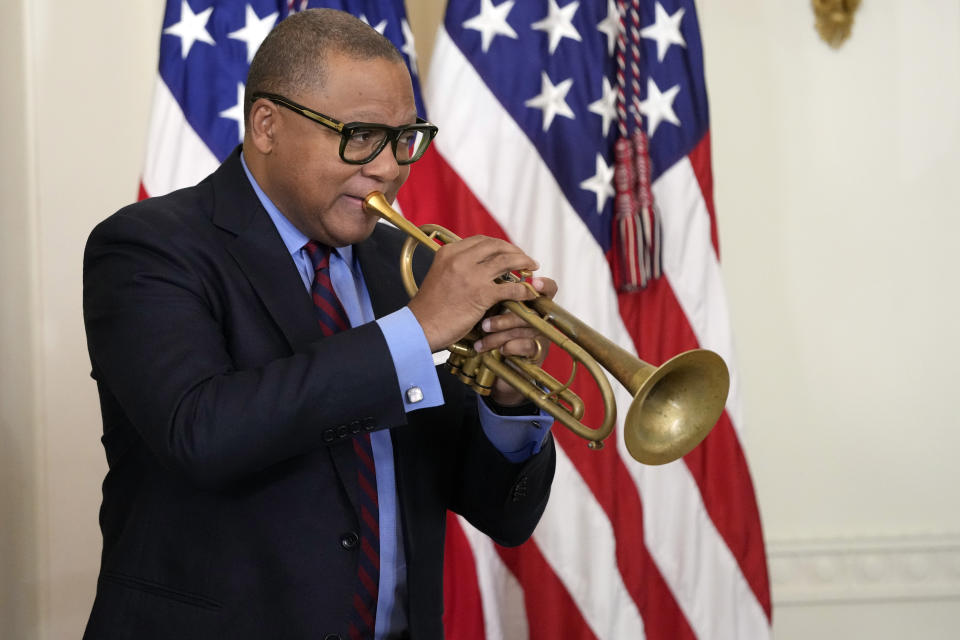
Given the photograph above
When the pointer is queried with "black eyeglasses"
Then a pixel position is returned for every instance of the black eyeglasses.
(361, 142)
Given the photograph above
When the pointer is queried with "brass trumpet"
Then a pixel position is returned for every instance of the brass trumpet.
(674, 405)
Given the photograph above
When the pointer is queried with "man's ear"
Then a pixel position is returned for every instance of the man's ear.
(262, 125)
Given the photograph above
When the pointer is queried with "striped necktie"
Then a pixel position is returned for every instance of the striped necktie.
(333, 318)
(330, 312)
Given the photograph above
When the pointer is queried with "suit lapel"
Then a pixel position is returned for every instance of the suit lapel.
(261, 254)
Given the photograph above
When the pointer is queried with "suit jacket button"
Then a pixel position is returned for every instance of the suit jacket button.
(349, 540)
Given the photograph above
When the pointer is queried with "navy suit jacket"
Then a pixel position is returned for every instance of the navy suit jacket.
(228, 508)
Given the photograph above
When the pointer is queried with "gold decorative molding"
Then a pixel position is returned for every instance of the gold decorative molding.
(834, 19)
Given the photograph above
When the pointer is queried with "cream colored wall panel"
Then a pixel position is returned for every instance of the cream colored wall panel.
(93, 68)
(837, 231)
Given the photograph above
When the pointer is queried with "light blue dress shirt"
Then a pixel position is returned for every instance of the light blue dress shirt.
(517, 437)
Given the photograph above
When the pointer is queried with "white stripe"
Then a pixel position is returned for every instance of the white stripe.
(691, 266)
(176, 156)
(504, 612)
(519, 191)
(582, 552)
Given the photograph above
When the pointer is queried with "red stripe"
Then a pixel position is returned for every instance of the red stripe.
(462, 603)
(720, 469)
(370, 521)
(370, 553)
(367, 581)
(323, 279)
(363, 451)
(616, 493)
(660, 330)
(363, 610)
(551, 612)
(331, 311)
(367, 488)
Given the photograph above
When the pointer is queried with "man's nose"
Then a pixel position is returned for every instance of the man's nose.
(384, 165)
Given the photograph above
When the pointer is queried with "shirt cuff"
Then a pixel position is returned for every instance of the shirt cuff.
(412, 360)
(516, 437)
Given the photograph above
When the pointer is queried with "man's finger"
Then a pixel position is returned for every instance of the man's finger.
(499, 339)
(530, 348)
(502, 322)
(544, 286)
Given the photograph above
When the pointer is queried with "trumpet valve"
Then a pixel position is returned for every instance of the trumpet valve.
(483, 377)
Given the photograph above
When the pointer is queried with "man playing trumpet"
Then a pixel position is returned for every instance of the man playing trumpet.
(282, 451)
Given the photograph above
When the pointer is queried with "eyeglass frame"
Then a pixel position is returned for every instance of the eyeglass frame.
(346, 129)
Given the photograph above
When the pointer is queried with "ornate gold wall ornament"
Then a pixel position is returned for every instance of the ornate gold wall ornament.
(834, 19)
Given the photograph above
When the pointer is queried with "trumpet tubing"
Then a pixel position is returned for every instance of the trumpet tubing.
(674, 405)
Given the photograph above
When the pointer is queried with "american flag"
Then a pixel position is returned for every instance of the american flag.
(531, 99)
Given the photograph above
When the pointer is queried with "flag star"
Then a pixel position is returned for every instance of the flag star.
(254, 32)
(552, 99)
(381, 26)
(192, 27)
(491, 22)
(601, 183)
(658, 106)
(408, 46)
(559, 23)
(610, 26)
(236, 111)
(665, 30)
(606, 106)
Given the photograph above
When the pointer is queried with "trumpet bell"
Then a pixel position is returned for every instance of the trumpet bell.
(676, 406)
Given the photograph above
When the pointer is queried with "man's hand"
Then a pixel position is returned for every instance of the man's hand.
(514, 337)
(459, 287)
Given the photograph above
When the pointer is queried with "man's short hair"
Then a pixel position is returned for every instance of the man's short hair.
(293, 55)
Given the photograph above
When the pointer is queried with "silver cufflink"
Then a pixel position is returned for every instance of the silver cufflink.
(414, 395)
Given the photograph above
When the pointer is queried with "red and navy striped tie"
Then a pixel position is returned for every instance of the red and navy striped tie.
(332, 318)
(330, 312)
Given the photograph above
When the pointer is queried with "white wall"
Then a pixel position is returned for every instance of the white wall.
(837, 209)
